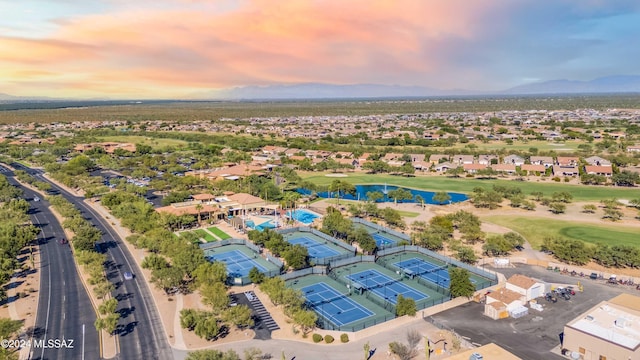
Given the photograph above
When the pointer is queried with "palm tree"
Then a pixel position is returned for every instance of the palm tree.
(420, 200)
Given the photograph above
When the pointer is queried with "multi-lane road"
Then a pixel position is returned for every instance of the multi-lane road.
(140, 334)
(65, 315)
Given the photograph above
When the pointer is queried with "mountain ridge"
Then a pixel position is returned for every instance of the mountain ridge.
(319, 91)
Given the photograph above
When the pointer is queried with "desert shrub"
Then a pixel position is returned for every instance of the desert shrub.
(328, 339)
(316, 338)
(344, 338)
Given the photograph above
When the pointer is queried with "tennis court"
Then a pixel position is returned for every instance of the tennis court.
(384, 286)
(238, 263)
(315, 248)
(438, 275)
(382, 240)
(334, 306)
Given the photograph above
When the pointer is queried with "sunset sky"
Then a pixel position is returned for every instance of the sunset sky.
(181, 48)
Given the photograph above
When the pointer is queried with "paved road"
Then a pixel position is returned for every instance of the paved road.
(140, 332)
(533, 336)
(64, 307)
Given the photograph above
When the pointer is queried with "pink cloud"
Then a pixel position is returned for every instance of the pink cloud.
(261, 42)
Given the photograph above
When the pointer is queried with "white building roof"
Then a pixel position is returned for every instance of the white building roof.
(611, 322)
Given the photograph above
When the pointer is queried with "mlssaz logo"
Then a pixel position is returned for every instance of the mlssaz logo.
(53, 343)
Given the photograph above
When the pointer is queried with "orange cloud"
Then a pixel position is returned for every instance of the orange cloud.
(174, 52)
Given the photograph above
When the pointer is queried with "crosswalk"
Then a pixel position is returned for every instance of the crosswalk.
(262, 312)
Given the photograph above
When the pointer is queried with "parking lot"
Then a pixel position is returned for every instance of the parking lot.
(534, 335)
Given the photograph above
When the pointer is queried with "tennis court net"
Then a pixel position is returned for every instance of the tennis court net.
(326, 300)
(432, 270)
(381, 285)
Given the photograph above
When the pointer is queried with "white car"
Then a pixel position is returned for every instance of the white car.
(128, 275)
(35, 198)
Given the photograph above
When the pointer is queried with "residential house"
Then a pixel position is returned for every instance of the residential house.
(527, 287)
(391, 157)
(504, 168)
(292, 152)
(442, 167)
(437, 158)
(565, 170)
(547, 161)
(273, 150)
(487, 159)
(419, 163)
(567, 161)
(462, 159)
(533, 169)
(473, 168)
(513, 159)
(597, 161)
(342, 155)
(634, 148)
(347, 161)
(598, 170)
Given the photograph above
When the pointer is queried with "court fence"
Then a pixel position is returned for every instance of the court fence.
(381, 228)
(328, 260)
(492, 279)
(275, 261)
(320, 234)
(316, 270)
(326, 324)
(232, 241)
(351, 260)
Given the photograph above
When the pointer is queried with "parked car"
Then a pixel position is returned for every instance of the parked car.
(593, 276)
(35, 198)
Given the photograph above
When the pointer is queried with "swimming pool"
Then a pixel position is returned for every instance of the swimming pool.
(265, 225)
(304, 216)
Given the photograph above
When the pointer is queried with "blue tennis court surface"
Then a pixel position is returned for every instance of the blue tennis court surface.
(438, 275)
(382, 240)
(385, 287)
(334, 306)
(238, 263)
(316, 249)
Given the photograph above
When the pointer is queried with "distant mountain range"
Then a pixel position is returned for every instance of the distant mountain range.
(327, 91)
(609, 84)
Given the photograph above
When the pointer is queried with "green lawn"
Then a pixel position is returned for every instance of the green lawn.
(410, 214)
(205, 235)
(219, 233)
(153, 142)
(535, 229)
(541, 145)
(466, 185)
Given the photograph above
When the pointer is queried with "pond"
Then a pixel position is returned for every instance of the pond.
(362, 190)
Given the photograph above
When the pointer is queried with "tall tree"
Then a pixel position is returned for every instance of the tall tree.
(460, 284)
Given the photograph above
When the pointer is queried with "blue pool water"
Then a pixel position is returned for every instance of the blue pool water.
(304, 216)
(362, 190)
(266, 225)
